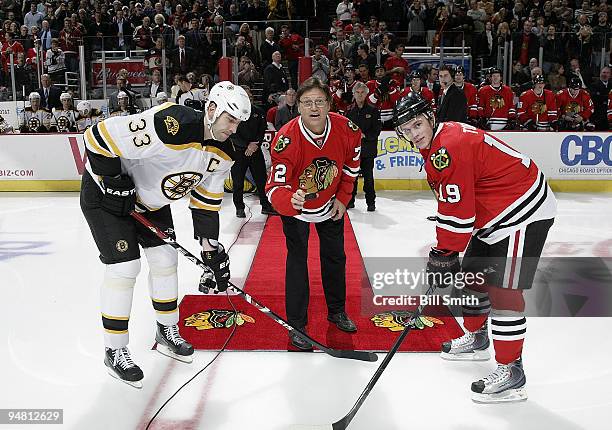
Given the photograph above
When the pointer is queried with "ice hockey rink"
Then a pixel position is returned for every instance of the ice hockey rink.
(51, 346)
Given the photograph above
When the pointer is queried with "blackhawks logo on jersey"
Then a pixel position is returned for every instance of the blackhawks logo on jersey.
(178, 185)
(538, 108)
(172, 125)
(318, 175)
(282, 143)
(573, 107)
(440, 159)
(497, 101)
(398, 320)
(352, 125)
(217, 318)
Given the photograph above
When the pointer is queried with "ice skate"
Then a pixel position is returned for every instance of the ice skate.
(171, 344)
(472, 346)
(506, 384)
(120, 366)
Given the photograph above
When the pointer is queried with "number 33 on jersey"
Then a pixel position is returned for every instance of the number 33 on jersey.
(173, 136)
(483, 187)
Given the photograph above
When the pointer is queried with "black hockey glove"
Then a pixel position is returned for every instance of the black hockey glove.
(218, 261)
(441, 267)
(119, 195)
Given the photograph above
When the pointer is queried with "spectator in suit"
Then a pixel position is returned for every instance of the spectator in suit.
(194, 38)
(275, 79)
(46, 35)
(268, 47)
(182, 57)
(153, 88)
(600, 91)
(49, 93)
(98, 28)
(452, 103)
(342, 43)
(288, 111)
(122, 31)
(177, 31)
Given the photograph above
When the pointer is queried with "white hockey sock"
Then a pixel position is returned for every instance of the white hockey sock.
(163, 283)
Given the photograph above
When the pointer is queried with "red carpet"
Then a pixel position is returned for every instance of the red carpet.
(207, 320)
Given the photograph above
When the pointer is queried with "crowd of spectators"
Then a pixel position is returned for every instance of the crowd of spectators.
(365, 41)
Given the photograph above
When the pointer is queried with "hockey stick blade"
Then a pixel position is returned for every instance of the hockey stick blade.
(348, 354)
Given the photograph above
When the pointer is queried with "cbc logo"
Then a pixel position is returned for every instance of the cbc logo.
(587, 150)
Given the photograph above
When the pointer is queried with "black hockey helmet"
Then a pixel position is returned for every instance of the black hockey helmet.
(538, 79)
(349, 66)
(574, 82)
(409, 107)
(414, 74)
(493, 70)
(460, 69)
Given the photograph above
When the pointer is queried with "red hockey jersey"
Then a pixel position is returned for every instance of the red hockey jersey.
(540, 110)
(496, 105)
(325, 166)
(471, 94)
(337, 88)
(387, 103)
(581, 104)
(483, 187)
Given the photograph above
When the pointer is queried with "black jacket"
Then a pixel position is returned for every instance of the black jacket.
(275, 80)
(453, 106)
(599, 95)
(367, 119)
(251, 130)
(54, 98)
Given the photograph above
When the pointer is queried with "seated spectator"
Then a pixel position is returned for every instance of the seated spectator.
(288, 111)
(556, 78)
(248, 74)
(155, 86)
(49, 93)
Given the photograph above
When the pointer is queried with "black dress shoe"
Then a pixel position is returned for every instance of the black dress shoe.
(371, 208)
(240, 213)
(298, 342)
(343, 322)
(268, 210)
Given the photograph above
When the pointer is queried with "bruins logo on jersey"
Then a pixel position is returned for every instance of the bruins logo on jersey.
(172, 125)
(122, 245)
(63, 122)
(497, 102)
(538, 107)
(178, 185)
(217, 318)
(353, 126)
(318, 175)
(440, 159)
(573, 107)
(34, 123)
(282, 143)
(398, 320)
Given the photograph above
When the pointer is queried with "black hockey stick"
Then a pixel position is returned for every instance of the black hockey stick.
(338, 353)
(344, 422)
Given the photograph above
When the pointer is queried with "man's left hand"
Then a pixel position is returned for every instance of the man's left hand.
(441, 262)
(338, 210)
(251, 149)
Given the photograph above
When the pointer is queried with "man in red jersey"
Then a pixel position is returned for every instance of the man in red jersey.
(471, 94)
(537, 107)
(315, 161)
(414, 85)
(496, 103)
(495, 202)
(575, 107)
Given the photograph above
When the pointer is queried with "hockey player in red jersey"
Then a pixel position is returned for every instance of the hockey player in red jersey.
(384, 93)
(496, 103)
(575, 107)
(315, 161)
(470, 91)
(537, 108)
(495, 202)
(414, 80)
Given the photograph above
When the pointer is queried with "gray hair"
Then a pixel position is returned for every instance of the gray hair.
(359, 85)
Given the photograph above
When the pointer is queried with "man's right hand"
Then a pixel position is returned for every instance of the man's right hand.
(297, 200)
(119, 195)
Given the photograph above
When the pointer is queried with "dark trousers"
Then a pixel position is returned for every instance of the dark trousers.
(333, 267)
(258, 169)
(367, 170)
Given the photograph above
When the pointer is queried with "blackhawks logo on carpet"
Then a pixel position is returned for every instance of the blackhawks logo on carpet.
(217, 318)
(397, 320)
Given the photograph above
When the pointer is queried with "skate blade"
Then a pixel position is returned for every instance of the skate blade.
(135, 384)
(164, 350)
(483, 355)
(509, 396)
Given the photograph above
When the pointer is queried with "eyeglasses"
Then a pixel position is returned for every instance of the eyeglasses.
(310, 103)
